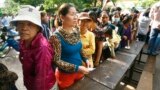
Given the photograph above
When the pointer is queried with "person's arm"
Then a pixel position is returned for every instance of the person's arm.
(57, 57)
(113, 55)
(112, 48)
(42, 64)
(99, 52)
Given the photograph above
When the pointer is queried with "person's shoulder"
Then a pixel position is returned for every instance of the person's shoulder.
(120, 23)
(90, 33)
(55, 32)
(55, 38)
(39, 41)
(112, 26)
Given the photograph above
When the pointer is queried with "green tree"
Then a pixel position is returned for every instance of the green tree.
(147, 3)
(52, 5)
(30, 2)
(10, 7)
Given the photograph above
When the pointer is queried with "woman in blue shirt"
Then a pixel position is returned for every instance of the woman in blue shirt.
(67, 45)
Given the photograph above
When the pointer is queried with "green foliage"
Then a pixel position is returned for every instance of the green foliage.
(114, 1)
(10, 7)
(52, 5)
(0, 12)
(30, 2)
(148, 3)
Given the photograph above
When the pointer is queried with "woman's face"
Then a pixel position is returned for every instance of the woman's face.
(83, 24)
(116, 15)
(116, 18)
(27, 30)
(70, 19)
(104, 17)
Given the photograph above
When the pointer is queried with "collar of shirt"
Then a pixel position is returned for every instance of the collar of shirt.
(84, 35)
(35, 43)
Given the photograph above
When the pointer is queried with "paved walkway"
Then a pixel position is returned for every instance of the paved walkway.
(156, 76)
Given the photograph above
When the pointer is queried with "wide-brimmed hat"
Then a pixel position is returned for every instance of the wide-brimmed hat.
(83, 15)
(28, 13)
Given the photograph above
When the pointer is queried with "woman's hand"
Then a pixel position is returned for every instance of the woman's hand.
(83, 70)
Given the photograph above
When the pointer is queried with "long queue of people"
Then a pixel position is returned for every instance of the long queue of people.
(56, 60)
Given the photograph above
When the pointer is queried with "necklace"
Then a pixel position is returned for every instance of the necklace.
(71, 38)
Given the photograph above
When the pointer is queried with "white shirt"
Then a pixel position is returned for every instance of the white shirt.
(143, 25)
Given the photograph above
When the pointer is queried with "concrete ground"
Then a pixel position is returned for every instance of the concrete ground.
(156, 76)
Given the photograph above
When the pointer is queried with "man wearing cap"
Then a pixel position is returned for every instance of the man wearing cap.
(35, 51)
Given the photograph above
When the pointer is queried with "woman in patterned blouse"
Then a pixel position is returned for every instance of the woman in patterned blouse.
(67, 45)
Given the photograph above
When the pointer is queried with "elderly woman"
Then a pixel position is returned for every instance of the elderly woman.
(67, 44)
(35, 51)
(87, 37)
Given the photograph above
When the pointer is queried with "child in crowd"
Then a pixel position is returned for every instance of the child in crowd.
(126, 38)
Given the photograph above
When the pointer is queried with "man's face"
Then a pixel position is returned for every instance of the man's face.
(45, 19)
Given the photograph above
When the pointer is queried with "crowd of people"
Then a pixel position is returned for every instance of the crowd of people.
(56, 52)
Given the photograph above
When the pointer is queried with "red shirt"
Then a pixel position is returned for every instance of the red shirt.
(36, 64)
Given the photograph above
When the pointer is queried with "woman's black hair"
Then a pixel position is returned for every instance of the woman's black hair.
(105, 12)
(109, 30)
(146, 13)
(85, 10)
(118, 9)
(126, 19)
(94, 13)
(63, 10)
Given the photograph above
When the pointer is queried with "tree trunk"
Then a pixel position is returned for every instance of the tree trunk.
(101, 3)
(95, 2)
